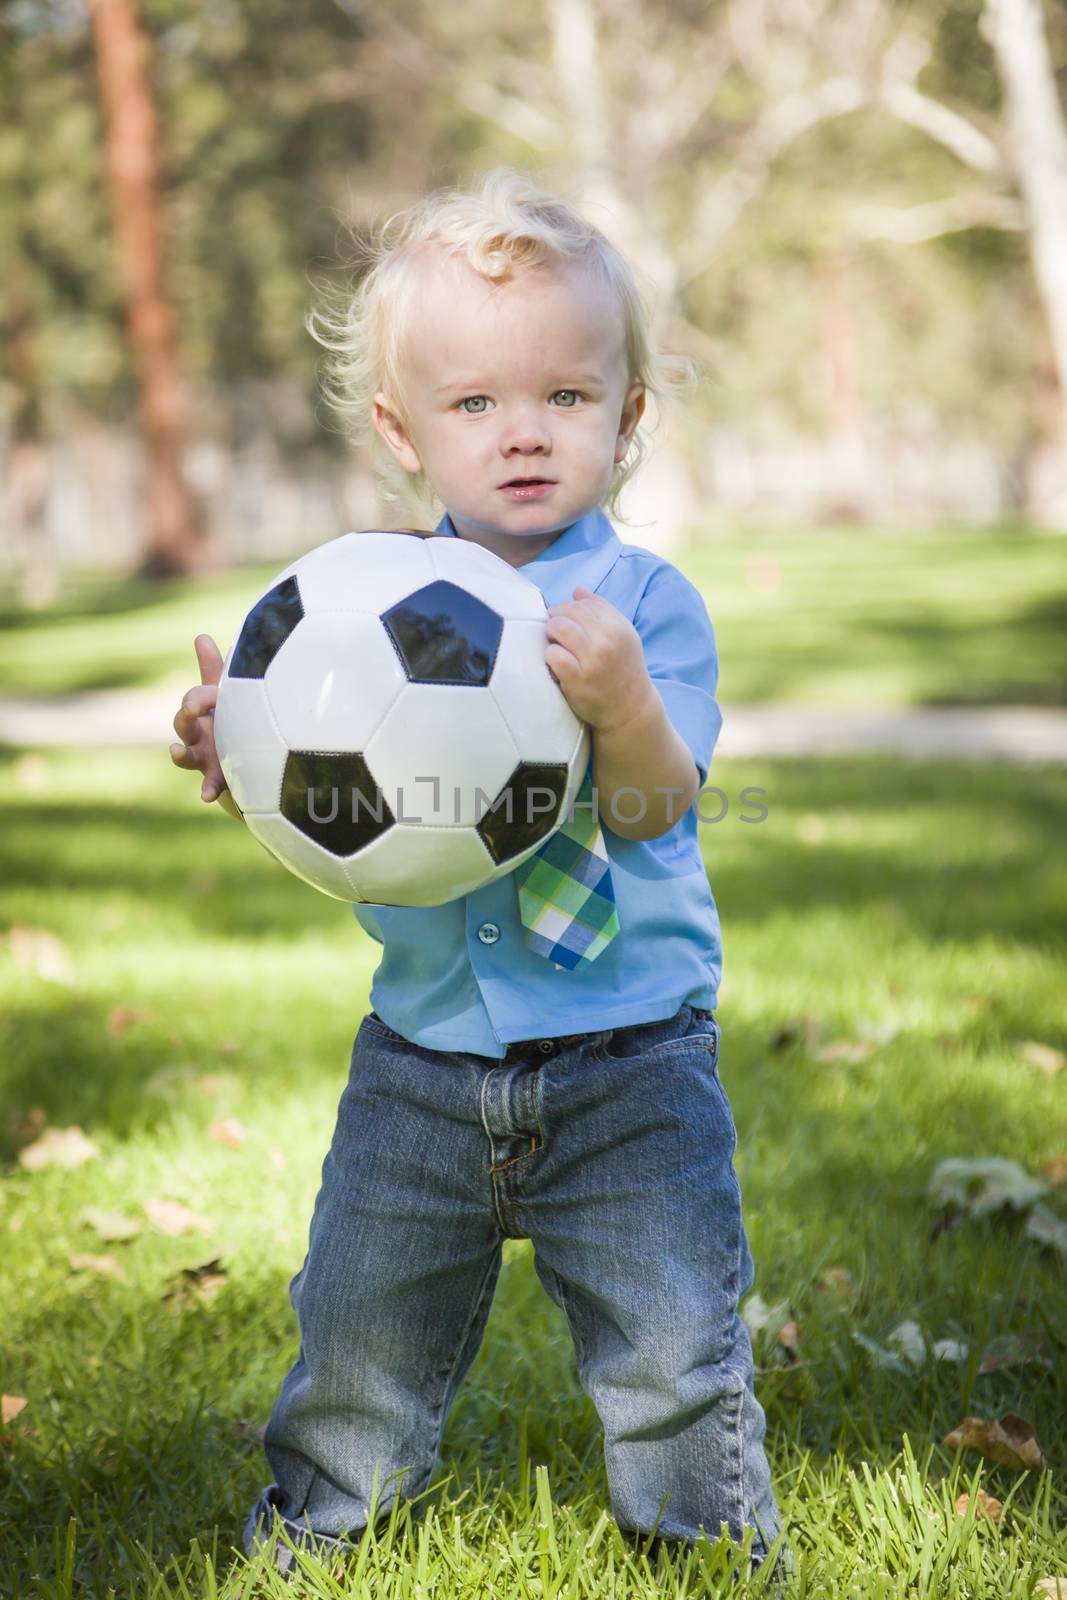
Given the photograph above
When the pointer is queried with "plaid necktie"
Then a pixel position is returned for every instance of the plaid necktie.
(566, 896)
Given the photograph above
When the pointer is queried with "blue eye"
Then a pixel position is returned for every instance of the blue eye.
(467, 401)
(574, 392)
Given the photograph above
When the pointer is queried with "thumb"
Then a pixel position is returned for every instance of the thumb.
(581, 593)
(209, 658)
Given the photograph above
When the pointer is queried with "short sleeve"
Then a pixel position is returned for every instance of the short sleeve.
(676, 632)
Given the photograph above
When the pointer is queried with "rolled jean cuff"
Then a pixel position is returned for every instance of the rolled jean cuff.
(300, 1531)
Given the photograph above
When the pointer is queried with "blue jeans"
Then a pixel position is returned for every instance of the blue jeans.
(613, 1153)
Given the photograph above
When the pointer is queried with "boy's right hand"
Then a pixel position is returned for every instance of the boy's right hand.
(195, 722)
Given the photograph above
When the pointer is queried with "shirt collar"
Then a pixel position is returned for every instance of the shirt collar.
(583, 554)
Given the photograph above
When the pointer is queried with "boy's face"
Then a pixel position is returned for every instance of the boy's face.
(525, 379)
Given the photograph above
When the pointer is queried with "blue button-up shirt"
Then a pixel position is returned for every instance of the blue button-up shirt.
(461, 976)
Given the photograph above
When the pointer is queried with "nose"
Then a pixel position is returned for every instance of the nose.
(525, 433)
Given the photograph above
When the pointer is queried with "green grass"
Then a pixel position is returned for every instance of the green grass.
(919, 908)
(817, 617)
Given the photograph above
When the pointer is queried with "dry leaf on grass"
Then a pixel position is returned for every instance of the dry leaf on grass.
(1011, 1440)
(122, 1017)
(203, 1280)
(1014, 1350)
(250, 1430)
(837, 1281)
(25, 1126)
(100, 1266)
(1047, 1228)
(1055, 1169)
(1051, 1588)
(984, 1184)
(229, 1132)
(10, 1406)
(1045, 1057)
(850, 1051)
(806, 1030)
(986, 1506)
(113, 1226)
(170, 1216)
(58, 1147)
(37, 950)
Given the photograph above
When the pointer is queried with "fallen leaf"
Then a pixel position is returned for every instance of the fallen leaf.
(1012, 1441)
(101, 1266)
(851, 1051)
(229, 1132)
(908, 1339)
(806, 1030)
(25, 1126)
(213, 1083)
(10, 1406)
(228, 1047)
(110, 1225)
(250, 1430)
(122, 1017)
(837, 1281)
(983, 1185)
(37, 950)
(1051, 1588)
(204, 1279)
(756, 1314)
(950, 1350)
(1014, 1350)
(789, 1339)
(1045, 1057)
(1047, 1228)
(1055, 1169)
(170, 1216)
(278, 1161)
(985, 1506)
(882, 1357)
(58, 1147)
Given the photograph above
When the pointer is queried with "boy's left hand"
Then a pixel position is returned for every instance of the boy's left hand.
(596, 657)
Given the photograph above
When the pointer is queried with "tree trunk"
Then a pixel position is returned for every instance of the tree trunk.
(1038, 143)
(662, 495)
(174, 537)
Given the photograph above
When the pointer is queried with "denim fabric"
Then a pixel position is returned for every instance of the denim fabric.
(614, 1155)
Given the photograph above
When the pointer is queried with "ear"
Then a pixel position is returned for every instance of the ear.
(388, 423)
(632, 412)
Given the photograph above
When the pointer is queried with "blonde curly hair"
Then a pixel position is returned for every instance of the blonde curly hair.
(508, 223)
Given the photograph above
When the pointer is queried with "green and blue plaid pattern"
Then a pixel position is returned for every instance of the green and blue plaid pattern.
(566, 896)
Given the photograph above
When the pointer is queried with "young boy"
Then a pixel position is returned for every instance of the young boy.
(500, 350)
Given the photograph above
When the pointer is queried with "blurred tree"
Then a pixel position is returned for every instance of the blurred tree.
(174, 534)
(1037, 141)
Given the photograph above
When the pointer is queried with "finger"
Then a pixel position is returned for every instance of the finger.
(181, 755)
(209, 658)
(567, 631)
(201, 700)
(561, 661)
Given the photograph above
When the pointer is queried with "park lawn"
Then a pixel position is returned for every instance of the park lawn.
(823, 617)
(177, 996)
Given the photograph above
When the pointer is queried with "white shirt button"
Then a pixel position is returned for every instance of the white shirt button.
(489, 933)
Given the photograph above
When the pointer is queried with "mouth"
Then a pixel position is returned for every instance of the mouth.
(519, 489)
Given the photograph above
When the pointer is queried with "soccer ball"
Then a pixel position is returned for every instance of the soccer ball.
(388, 725)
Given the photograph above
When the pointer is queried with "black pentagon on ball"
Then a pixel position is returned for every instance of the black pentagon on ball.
(265, 629)
(525, 811)
(443, 634)
(334, 800)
